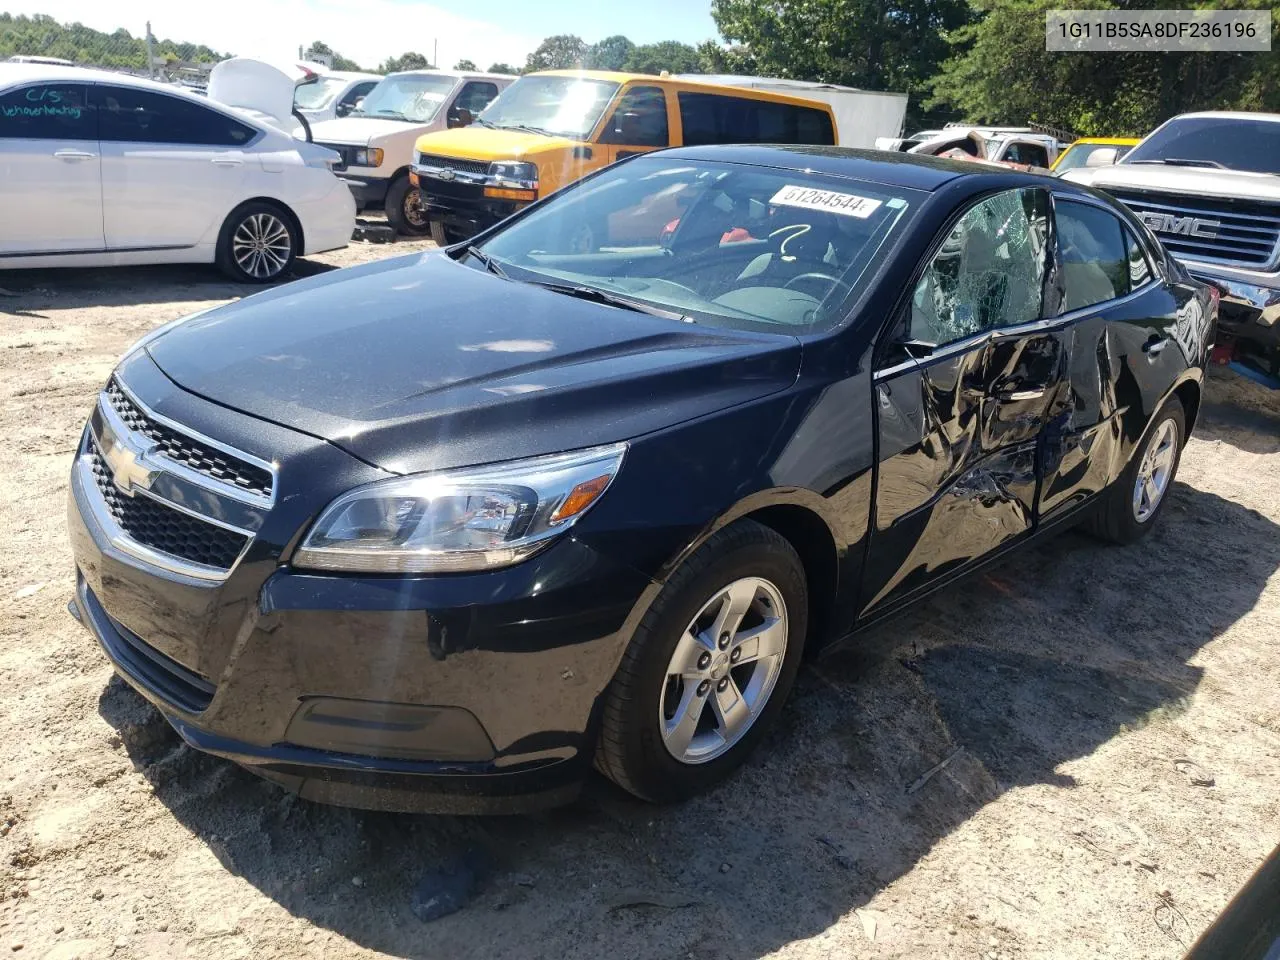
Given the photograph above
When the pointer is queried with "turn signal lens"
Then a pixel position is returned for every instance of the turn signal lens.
(506, 193)
(581, 497)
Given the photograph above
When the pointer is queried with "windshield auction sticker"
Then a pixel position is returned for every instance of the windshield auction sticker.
(846, 204)
(1148, 31)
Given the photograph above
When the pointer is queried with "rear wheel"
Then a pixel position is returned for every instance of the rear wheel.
(258, 243)
(1133, 503)
(709, 667)
(405, 210)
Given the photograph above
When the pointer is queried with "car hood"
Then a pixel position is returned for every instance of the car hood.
(421, 363)
(486, 143)
(1187, 180)
(362, 131)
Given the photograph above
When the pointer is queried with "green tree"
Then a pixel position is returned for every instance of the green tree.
(892, 45)
(561, 52)
(717, 58)
(1001, 72)
(611, 53)
(503, 68)
(319, 49)
(42, 35)
(406, 61)
(465, 65)
(670, 55)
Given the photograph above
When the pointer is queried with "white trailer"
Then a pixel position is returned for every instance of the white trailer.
(861, 115)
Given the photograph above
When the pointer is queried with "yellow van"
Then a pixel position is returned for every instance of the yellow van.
(548, 129)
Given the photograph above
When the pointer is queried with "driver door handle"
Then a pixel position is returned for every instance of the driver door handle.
(227, 161)
(74, 155)
(1154, 346)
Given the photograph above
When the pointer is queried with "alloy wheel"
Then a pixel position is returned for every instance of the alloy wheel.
(723, 670)
(1155, 471)
(261, 245)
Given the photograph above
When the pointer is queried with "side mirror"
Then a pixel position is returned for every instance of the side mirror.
(343, 109)
(1104, 157)
(459, 117)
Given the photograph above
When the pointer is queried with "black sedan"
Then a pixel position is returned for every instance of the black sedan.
(439, 532)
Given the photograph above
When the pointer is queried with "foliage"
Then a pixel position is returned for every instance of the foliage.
(735, 59)
(875, 44)
(668, 55)
(465, 65)
(1000, 72)
(406, 61)
(611, 53)
(336, 60)
(561, 52)
(503, 68)
(42, 35)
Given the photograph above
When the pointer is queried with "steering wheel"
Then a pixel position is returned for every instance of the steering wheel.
(832, 281)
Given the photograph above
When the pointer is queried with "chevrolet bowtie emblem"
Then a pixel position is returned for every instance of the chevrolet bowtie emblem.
(128, 472)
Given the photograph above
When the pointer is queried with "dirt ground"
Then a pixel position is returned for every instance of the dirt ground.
(1109, 721)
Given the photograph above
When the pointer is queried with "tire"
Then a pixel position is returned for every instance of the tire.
(1121, 516)
(258, 243)
(643, 699)
(404, 208)
(445, 236)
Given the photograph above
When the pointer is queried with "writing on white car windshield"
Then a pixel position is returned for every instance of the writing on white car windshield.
(556, 106)
(1231, 143)
(413, 97)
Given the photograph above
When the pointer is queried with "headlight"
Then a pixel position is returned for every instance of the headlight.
(474, 519)
(507, 173)
(367, 157)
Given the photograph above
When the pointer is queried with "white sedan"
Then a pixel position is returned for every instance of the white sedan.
(102, 169)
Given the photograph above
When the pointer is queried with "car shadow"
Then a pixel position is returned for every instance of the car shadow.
(31, 290)
(887, 747)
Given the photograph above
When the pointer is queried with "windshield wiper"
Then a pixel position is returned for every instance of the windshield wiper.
(394, 114)
(1183, 162)
(596, 295)
(489, 262)
(527, 128)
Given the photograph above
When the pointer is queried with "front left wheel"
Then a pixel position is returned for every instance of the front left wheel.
(258, 243)
(709, 667)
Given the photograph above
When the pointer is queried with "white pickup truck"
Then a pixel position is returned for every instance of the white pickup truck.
(1208, 185)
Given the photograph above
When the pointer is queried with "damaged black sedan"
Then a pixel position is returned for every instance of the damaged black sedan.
(440, 532)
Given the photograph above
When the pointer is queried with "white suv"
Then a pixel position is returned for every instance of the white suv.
(99, 169)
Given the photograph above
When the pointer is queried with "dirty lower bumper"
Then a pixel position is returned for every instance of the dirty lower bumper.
(462, 694)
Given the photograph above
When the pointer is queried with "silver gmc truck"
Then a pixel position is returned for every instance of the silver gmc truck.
(1208, 185)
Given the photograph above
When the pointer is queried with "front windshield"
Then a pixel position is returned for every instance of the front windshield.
(1236, 143)
(415, 97)
(557, 106)
(1078, 155)
(318, 94)
(728, 245)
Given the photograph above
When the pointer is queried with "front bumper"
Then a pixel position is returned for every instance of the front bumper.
(369, 192)
(460, 693)
(462, 207)
(1247, 310)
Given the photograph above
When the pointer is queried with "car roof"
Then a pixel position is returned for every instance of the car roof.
(887, 167)
(458, 74)
(26, 72)
(1109, 141)
(351, 75)
(1228, 115)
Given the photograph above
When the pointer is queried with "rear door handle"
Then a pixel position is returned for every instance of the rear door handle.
(75, 155)
(1154, 346)
(226, 161)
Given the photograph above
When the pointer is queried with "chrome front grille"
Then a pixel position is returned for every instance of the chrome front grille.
(1239, 233)
(453, 163)
(166, 495)
(188, 451)
(161, 527)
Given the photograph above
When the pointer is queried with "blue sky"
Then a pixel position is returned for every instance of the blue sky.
(368, 31)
